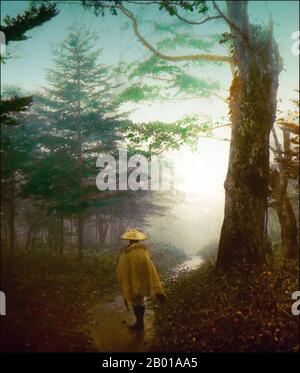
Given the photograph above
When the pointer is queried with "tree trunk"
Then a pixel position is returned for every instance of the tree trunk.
(100, 230)
(33, 240)
(79, 157)
(289, 230)
(291, 241)
(285, 213)
(28, 239)
(61, 235)
(112, 232)
(71, 231)
(279, 182)
(105, 230)
(80, 233)
(12, 215)
(252, 109)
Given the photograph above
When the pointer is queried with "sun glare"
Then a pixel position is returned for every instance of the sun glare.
(204, 171)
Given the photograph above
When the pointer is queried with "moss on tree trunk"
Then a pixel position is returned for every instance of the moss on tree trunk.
(252, 109)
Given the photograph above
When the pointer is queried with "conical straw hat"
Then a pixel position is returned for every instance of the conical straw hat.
(134, 234)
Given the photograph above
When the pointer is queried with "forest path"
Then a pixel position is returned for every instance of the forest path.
(108, 329)
(109, 320)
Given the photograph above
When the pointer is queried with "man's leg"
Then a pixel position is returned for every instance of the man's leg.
(139, 311)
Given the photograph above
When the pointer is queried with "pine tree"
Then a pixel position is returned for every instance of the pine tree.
(14, 29)
(18, 149)
(81, 112)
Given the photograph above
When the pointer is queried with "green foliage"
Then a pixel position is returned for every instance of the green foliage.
(18, 148)
(78, 77)
(138, 93)
(167, 79)
(170, 6)
(159, 136)
(53, 180)
(75, 108)
(171, 80)
(12, 106)
(153, 65)
(166, 257)
(100, 6)
(170, 27)
(186, 40)
(15, 28)
(190, 85)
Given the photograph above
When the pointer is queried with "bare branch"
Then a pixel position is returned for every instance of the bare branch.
(193, 57)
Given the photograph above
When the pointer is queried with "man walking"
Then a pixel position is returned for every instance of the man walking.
(137, 275)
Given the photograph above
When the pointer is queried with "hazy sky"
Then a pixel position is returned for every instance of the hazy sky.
(31, 57)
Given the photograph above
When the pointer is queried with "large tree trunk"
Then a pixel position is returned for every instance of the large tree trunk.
(252, 109)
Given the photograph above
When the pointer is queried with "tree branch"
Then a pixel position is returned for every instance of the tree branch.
(214, 138)
(220, 97)
(194, 57)
(190, 22)
(278, 149)
(189, 98)
(159, 2)
(231, 24)
(273, 149)
(159, 78)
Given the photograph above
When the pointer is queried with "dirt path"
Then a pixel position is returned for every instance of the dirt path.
(109, 330)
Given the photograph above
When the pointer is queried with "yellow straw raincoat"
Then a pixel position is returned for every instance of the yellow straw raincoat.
(137, 274)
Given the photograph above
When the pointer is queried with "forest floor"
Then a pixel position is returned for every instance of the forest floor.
(248, 311)
(70, 304)
(64, 303)
(48, 297)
